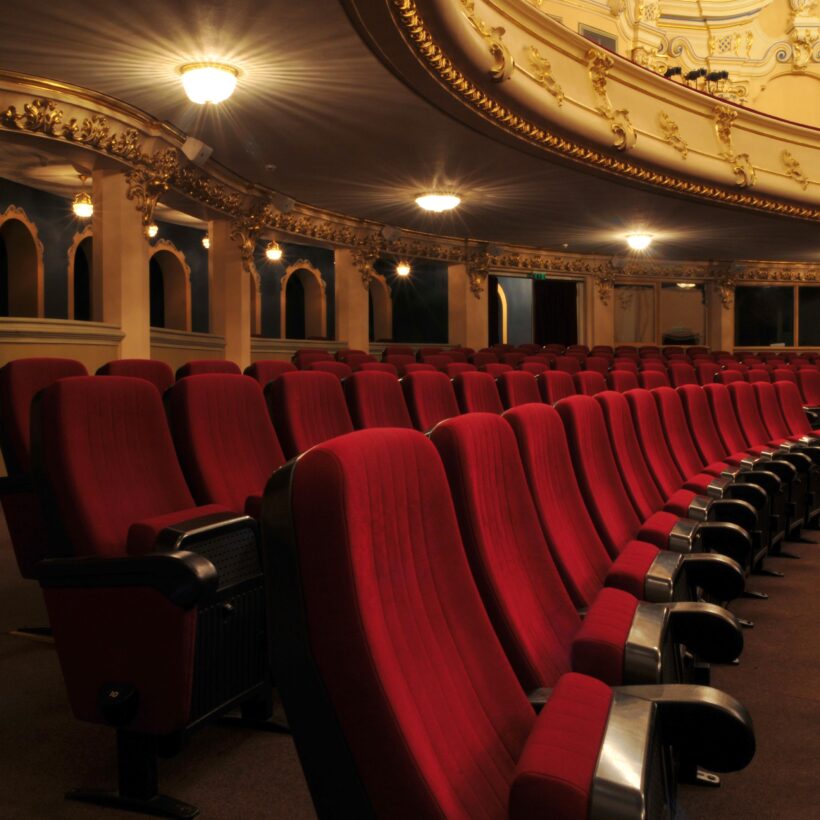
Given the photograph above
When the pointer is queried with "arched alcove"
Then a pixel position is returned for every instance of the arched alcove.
(170, 288)
(381, 307)
(21, 265)
(81, 276)
(302, 283)
(503, 314)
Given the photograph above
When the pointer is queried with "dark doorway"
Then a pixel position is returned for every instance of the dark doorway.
(4, 279)
(494, 318)
(157, 295)
(555, 312)
(295, 309)
(82, 280)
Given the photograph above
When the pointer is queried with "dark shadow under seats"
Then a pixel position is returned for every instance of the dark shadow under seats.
(430, 398)
(307, 407)
(537, 623)
(152, 370)
(139, 608)
(266, 370)
(199, 367)
(637, 567)
(224, 439)
(477, 393)
(607, 500)
(401, 700)
(20, 381)
(376, 400)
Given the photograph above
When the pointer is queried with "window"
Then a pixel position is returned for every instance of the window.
(170, 288)
(303, 302)
(764, 315)
(21, 265)
(682, 315)
(809, 316)
(599, 37)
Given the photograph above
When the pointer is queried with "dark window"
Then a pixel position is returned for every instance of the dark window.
(4, 279)
(764, 316)
(555, 312)
(809, 311)
(599, 37)
(82, 281)
(295, 308)
(157, 295)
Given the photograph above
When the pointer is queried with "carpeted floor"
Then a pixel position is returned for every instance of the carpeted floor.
(235, 773)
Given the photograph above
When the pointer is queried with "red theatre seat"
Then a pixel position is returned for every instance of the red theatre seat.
(555, 385)
(650, 379)
(518, 387)
(199, 367)
(341, 370)
(266, 370)
(590, 382)
(477, 393)
(156, 372)
(621, 380)
(401, 700)
(376, 400)
(809, 380)
(430, 398)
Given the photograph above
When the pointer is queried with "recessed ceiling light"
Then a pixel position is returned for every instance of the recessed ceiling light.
(639, 241)
(208, 82)
(206, 242)
(274, 251)
(403, 268)
(438, 202)
(152, 230)
(82, 205)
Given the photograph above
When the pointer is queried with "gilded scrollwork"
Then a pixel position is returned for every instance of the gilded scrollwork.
(246, 228)
(492, 35)
(542, 73)
(478, 264)
(724, 118)
(671, 134)
(148, 182)
(599, 65)
(364, 258)
(604, 283)
(793, 169)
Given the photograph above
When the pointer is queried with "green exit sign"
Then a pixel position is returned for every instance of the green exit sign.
(539, 276)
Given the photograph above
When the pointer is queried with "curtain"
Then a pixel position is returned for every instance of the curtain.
(634, 313)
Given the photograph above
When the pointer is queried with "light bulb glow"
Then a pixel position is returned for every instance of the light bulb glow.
(208, 82)
(152, 230)
(206, 242)
(438, 202)
(82, 205)
(403, 268)
(639, 241)
(274, 251)
(686, 285)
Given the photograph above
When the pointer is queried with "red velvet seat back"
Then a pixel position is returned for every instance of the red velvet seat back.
(599, 364)
(109, 459)
(650, 379)
(518, 387)
(513, 359)
(479, 359)
(519, 583)
(606, 498)
(418, 367)
(376, 400)
(398, 350)
(625, 363)
(341, 370)
(554, 385)
(495, 369)
(575, 544)
(672, 349)
(382, 367)
(439, 361)
(621, 380)
(454, 368)
(652, 437)
(770, 411)
(429, 351)
(706, 372)
(530, 349)
(305, 357)
(224, 439)
(782, 374)
(399, 361)
(267, 370)
(199, 367)
(653, 364)
(632, 464)
(589, 382)
(568, 364)
(791, 404)
(430, 398)
(809, 381)
(152, 370)
(534, 367)
(477, 393)
(726, 421)
(758, 374)
(355, 360)
(689, 409)
(432, 713)
(729, 376)
(744, 400)
(681, 373)
(307, 407)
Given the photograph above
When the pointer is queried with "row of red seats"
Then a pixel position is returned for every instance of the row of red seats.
(225, 441)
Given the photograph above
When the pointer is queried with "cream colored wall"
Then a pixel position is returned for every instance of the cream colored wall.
(683, 308)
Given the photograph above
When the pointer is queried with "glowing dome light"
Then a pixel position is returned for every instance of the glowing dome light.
(208, 82)
(274, 251)
(686, 285)
(437, 202)
(206, 242)
(639, 241)
(403, 268)
(152, 230)
(82, 205)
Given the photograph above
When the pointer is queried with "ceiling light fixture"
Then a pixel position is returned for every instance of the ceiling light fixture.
(208, 82)
(274, 251)
(686, 285)
(152, 230)
(206, 242)
(403, 268)
(639, 241)
(438, 202)
(82, 204)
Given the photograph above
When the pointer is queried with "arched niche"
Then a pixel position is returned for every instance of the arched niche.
(381, 301)
(503, 314)
(22, 265)
(170, 287)
(315, 298)
(81, 276)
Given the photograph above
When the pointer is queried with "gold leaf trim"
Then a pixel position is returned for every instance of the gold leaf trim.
(671, 134)
(505, 64)
(794, 170)
(542, 74)
(599, 65)
(741, 164)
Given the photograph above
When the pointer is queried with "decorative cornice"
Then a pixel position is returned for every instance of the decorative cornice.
(150, 181)
(365, 256)
(245, 230)
(478, 264)
(599, 65)
(741, 164)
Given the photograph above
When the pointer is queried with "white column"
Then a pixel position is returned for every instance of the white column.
(468, 313)
(352, 304)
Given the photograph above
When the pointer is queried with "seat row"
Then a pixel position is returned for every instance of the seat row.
(126, 589)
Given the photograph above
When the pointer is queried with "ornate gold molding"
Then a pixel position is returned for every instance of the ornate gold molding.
(542, 74)
(505, 64)
(671, 134)
(599, 65)
(364, 258)
(741, 164)
(245, 231)
(793, 169)
(478, 264)
(604, 283)
(150, 181)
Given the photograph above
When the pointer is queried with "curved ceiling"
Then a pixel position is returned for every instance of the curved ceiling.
(318, 117)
